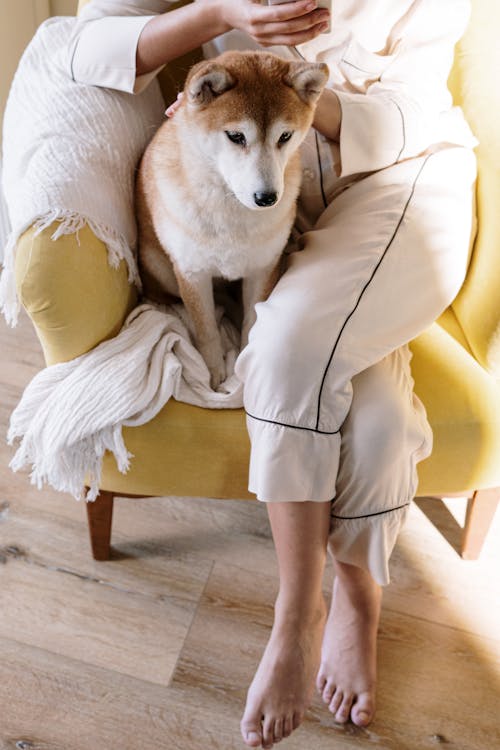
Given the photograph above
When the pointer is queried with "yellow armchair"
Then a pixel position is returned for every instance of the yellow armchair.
(76, 300)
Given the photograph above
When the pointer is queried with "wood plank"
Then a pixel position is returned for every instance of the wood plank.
(419, 698)
(130, 614)
(430, 581)
(54, 702)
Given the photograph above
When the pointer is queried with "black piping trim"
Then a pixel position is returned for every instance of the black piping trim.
(367, 285)
(369, 515)
(404, 129)
(299, 53)
(325, 203)
(294, 426)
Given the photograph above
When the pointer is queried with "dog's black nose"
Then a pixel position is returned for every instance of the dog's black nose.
(265, 199)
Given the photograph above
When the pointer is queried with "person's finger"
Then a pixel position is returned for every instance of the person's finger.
(292, 26)
(290, 40)
(282, 12)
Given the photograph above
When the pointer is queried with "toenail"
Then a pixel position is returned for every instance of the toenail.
(253, 736)
(363, 716)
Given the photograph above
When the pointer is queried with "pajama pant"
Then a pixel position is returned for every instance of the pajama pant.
(328, 392)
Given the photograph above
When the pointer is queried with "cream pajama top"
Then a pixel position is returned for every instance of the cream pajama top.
(389, 62)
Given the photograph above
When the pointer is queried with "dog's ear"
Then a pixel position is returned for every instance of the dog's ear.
(208, 81)
(308, 80)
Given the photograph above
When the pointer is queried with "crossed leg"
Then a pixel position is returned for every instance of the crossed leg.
(383, 261)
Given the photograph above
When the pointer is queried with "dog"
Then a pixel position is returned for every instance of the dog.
(217, 186)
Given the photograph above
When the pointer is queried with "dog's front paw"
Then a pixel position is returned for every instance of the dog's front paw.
(214, 358)
(217, 376)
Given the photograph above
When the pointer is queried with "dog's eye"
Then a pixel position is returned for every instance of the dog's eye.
(284, 137)
(235, 137)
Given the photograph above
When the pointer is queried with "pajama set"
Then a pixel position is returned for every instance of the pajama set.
(385, 220)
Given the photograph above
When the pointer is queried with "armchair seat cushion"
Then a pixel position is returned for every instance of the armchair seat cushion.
(191, 451)
(185, 451)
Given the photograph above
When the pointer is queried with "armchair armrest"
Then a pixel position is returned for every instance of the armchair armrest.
(71, 293)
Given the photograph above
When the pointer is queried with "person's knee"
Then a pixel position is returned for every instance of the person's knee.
(283, 348)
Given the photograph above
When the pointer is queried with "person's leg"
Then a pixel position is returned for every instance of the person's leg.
(284, 682)
(385, 435)
(384, 260)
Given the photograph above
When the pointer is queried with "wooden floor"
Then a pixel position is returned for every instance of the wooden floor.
(155, 648)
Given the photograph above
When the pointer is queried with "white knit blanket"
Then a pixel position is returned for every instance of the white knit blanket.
(70, 151)
(72, 412)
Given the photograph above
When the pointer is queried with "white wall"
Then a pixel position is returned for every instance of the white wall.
(19, 20)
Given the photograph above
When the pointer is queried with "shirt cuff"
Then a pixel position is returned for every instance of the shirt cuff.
(372, 132)
(116, 38)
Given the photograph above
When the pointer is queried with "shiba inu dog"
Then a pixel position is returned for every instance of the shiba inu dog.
(217, 185)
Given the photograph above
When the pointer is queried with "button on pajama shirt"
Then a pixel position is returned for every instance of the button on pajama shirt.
(385, 221)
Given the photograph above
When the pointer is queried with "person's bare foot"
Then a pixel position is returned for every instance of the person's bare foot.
(283, 685)
(347, 675)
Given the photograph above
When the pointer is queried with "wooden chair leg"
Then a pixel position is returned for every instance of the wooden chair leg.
(100, 515)
(480, 511)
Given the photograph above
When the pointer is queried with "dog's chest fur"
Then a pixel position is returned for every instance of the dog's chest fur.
(212, 232)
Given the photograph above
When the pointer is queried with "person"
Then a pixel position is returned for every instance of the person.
(385, 218)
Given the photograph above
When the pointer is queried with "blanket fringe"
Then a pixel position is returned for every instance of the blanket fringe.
(70, 222)
(73, 467)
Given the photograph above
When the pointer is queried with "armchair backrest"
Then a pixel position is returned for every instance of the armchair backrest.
(474, 82)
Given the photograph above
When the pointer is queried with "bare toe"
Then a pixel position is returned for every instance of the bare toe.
(344, 711)
(287, 726)
(278, 729)
(363, 710)
(329, 691)
(298, 717)
(268, 732)
(336, 701)
(320, 682)
(251, 729)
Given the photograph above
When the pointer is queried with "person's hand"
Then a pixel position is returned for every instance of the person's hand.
(288, 23)
(172, 108)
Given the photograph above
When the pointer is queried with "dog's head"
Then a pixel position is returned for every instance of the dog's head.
(248, 112)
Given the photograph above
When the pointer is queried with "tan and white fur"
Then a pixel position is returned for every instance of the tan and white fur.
(217, 186)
